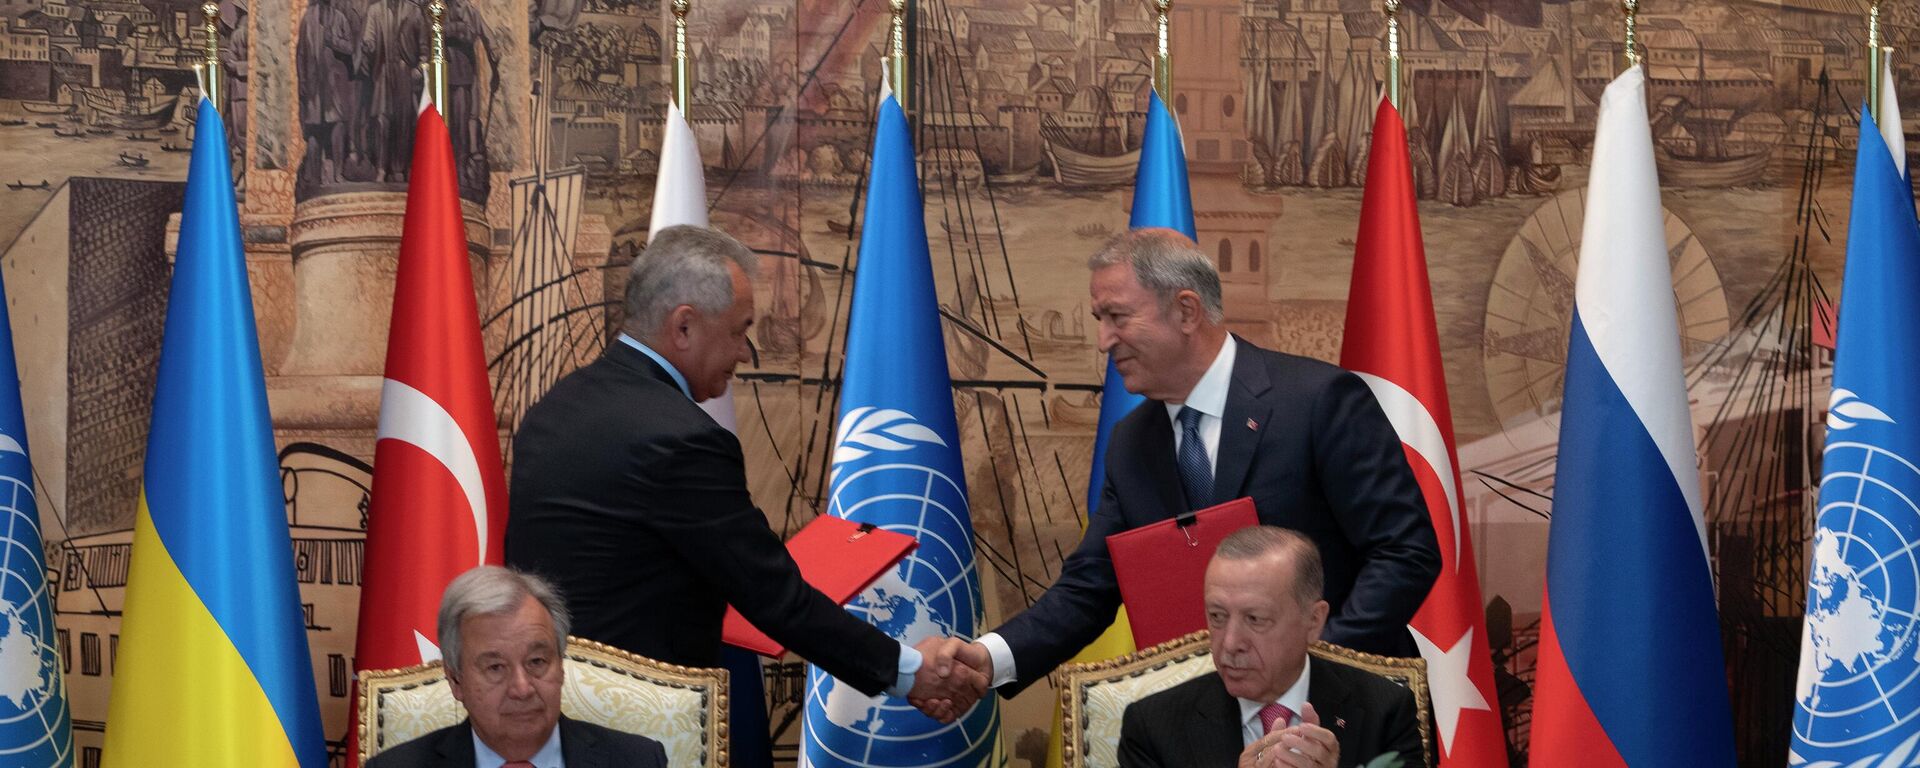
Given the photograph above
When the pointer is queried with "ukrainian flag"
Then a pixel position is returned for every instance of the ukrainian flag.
(213, 667)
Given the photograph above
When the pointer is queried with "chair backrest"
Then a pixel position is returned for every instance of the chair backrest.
(685, 709)
(1094, 696)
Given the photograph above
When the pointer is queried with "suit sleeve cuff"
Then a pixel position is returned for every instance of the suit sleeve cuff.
(1002, 656)
(910, 660)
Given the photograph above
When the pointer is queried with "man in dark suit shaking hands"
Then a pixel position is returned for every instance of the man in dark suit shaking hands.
(1270, 704)
(1226, 419)
(635, 503)
(503, 635)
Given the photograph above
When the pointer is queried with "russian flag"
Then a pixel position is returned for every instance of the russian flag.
(1630, 667)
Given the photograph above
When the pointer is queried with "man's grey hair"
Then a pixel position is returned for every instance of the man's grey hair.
(682, 264)
(1309, 580)
(490, 590)
(1165, 262)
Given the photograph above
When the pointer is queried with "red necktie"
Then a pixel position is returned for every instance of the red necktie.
(518, 764)
(1270, 715)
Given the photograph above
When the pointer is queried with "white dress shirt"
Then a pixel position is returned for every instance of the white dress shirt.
(1294, 698)
(1209, 397)
(548, 757)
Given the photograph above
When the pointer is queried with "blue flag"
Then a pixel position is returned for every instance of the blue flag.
(213, 667)
(1858, 692)
(896, 464)
(1161, 198)
(36, 729)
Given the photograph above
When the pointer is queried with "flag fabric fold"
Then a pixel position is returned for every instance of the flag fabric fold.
(896, 463)
(36, 726)
(1857, 702)
(439, 500)
(1630, 664)
(213, 667)
(1393, 344)
(680, 197)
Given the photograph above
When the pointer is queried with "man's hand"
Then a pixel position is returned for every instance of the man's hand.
(953, 649)
(942, 689)
(1306, 745)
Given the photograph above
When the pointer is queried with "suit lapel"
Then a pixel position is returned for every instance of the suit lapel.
(1218, 739)
(1241, 422)
(580, 747)
(456, 747)
(1330, 696)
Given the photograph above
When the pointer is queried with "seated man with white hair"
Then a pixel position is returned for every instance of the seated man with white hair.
(503, 635)
(1270, 704)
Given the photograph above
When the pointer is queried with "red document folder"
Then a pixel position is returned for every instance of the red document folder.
(839, 558)
(1161, 568)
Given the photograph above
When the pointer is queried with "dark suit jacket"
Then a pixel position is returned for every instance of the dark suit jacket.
(634, 502)
(1197, 723)
(1309, 443)
(582, 745)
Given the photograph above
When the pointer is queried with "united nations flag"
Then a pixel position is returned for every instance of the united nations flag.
(1858, 693)
(896, 464)
(35, 727)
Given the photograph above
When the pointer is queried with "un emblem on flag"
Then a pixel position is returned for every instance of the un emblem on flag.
(894, 472)
(33, 708)
(1858, 672)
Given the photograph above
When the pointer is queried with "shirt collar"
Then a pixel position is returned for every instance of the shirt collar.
(1209, 395)
(1295, 698)
(547, 757)
(671, 371)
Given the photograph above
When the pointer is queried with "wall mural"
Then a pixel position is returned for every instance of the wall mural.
(1027, 117)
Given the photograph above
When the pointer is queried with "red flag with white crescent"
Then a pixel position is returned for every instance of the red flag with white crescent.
(439, 502)
(1393, 343)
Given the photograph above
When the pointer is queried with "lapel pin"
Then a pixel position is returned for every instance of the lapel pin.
(1340, 721)
(1253, 425)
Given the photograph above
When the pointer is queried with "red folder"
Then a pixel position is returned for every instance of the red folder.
(838, 557)
(1161, 568)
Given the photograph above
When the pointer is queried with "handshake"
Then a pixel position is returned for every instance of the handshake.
(953, 676)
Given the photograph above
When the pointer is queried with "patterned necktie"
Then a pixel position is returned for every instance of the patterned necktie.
(1196, 475)
(1274, 714)
(529, 763)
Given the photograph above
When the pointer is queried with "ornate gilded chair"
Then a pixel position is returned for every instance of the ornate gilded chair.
(1093, 696)
(684, 709)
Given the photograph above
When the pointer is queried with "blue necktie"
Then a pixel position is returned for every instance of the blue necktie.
(1195, 473)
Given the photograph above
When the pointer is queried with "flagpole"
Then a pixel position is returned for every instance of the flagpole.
(1875, 60)
(1162, 51)
(682, 68)
(1393, 52)
(207, 70)
(1633, 32)
(437, 65)
(897, 52)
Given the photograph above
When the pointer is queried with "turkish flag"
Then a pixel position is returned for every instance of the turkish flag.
(439, 503)
(1392, 342)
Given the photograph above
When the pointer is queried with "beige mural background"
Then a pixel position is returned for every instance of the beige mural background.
(1025, 116)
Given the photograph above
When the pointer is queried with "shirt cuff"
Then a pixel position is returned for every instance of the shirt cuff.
(1002, 656)
(910, 661)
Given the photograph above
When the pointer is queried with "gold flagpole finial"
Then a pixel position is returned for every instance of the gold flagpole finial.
(437, 64)
(897, 52)
(1875, 60)
(1393, 52)
(1633, 31)
(1162, 51)
(682, 72)
(207, 71)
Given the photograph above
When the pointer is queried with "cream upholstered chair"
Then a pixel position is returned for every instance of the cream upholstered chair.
(684, 709)
(1093, 696)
